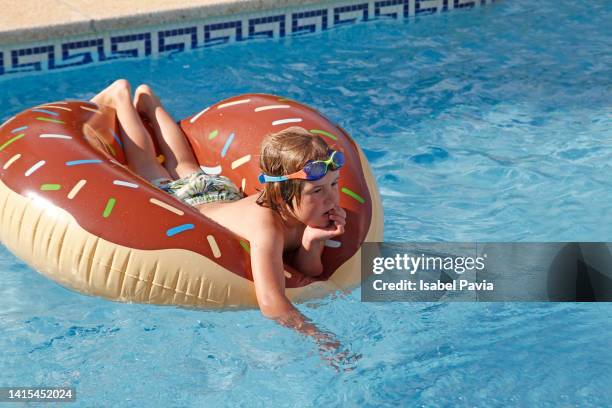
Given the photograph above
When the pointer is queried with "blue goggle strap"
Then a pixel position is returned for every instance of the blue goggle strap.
(264, 178)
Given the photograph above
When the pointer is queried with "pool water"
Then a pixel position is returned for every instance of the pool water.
(493, 124)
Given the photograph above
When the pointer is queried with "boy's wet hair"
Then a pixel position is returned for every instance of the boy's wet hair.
(283, 153)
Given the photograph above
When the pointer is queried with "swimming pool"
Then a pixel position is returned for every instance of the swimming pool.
(492, 124)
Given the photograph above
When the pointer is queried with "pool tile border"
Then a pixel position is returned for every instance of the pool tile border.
(62, 53)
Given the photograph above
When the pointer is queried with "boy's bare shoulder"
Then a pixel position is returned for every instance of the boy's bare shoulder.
(266, 220)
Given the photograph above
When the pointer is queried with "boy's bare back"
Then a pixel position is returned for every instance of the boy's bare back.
(249, 220)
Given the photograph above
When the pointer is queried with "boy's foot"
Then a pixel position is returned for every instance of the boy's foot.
(145, 100)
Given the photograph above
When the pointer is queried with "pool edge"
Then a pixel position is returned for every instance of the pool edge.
(91, 25)
(252, 20)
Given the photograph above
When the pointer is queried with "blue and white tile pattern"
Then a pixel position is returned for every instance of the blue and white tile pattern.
(273, 24)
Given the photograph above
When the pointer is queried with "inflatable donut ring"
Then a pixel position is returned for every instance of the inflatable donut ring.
(72, 210)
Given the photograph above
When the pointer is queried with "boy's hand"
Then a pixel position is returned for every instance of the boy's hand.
(337, 216)
(337, 221)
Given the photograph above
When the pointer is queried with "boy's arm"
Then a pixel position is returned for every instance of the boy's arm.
(308, 257)
(268, 276)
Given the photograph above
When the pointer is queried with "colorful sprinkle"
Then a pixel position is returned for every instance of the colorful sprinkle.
(54, 136)
(110, 204)
(55, 107)
(166, 206)
(8, 142)
(225, 105)
(161, 159)
(239, 162)
(212, 170)
(123, 135)
(19, 129)
(116, 138)
(243, 185)
(77, 187)
(48, 112)
(228, 142)
(268, 107)
(352, 194)
(196, 117)
(34, 168)
(213, 246)
(77, 162)
(91, 110)
(324, 133)
(7, 121)
(179, 229)
(125, 184)
(11, 161)
(50, 187)
(287, 274)
(330, 243)
(245, 246)
(51, 120)
(283, 121)
(213, 134)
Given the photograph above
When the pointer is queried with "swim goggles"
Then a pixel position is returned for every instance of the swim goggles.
(313, 169)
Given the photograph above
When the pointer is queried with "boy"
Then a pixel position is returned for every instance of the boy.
(297, 211)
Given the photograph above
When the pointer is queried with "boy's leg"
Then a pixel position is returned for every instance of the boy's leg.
(179, 158)
(138, 145)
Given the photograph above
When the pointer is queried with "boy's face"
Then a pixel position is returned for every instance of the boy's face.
(318, 198)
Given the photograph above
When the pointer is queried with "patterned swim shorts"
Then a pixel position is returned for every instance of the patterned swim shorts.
(200, 188)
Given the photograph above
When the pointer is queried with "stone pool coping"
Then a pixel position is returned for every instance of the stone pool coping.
(35, 20)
